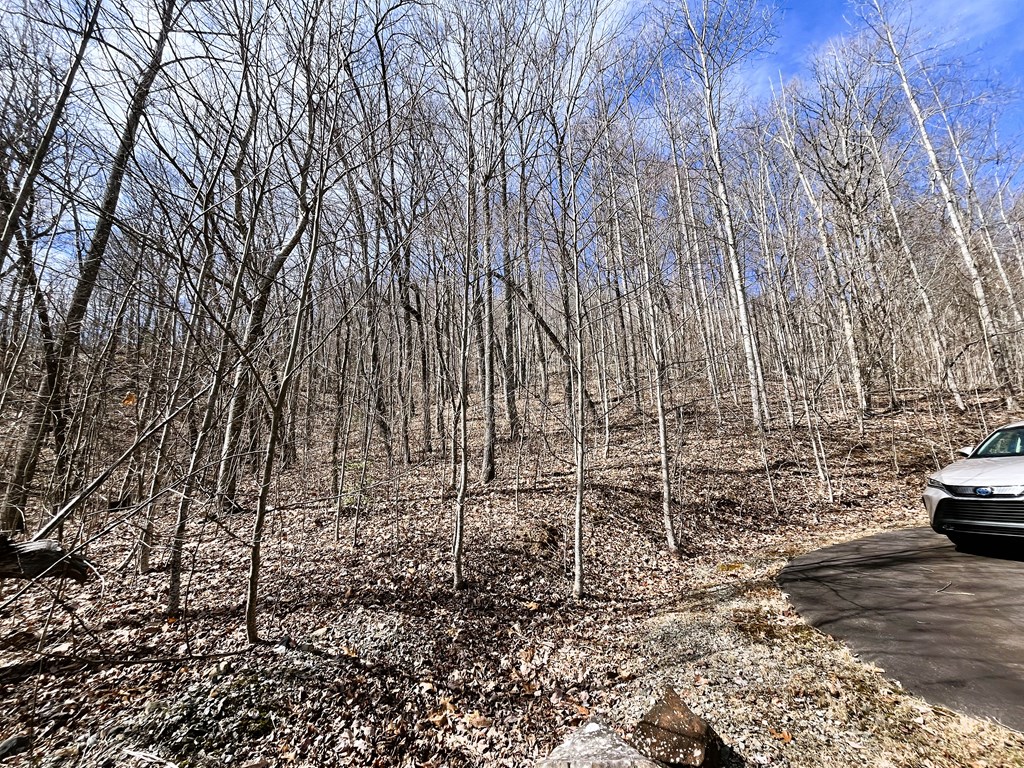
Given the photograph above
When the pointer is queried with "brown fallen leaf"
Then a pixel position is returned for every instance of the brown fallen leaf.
(439, 718)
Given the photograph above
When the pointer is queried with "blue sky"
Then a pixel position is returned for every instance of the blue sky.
(988, 30)
(989, 34)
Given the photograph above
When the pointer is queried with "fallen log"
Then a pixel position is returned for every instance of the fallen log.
(38, 559)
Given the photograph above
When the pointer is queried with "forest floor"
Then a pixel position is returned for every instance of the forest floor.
(373, 660)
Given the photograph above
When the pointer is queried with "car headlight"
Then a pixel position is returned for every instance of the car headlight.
(933, 483)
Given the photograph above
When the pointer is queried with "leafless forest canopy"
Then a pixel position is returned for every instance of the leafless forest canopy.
(355, 238)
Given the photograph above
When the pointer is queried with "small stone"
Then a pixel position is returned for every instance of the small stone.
(672, 734)
(15, 745)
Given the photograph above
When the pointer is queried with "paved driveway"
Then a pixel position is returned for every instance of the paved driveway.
(948, 625)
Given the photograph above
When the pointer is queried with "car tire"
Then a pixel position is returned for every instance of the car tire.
(965, 542)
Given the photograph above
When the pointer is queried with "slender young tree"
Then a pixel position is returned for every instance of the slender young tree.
(714, 38)
(881, 21)
(50, 410)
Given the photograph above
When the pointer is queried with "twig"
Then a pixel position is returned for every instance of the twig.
(149, 757)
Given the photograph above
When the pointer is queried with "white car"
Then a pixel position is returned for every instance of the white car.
(983, 493)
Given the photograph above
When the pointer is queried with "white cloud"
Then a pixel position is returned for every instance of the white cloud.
(988, 25)
(960, 20)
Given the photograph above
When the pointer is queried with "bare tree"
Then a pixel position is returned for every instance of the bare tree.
(713, 38)
(50, 411)
(896, 40)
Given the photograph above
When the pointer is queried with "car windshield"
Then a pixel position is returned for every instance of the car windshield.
(1004, 442)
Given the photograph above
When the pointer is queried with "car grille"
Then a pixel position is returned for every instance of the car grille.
(977, 516)
(1006, 491)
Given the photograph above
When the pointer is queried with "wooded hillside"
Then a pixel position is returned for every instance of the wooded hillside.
(364, 264)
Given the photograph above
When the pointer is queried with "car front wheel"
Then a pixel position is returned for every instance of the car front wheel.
(965, 541)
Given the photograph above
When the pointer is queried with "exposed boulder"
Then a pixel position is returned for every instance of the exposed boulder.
(672, 734)
(595, 746)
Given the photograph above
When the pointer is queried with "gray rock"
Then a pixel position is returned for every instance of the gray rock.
(15, 745)
(595, 746)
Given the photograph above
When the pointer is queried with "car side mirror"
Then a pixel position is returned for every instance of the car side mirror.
(966, 451)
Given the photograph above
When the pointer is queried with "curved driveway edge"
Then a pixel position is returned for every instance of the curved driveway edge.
(948, 625)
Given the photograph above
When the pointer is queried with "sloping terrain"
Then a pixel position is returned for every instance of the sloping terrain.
(373, 660)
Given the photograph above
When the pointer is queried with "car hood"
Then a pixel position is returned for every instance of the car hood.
(1003, 470)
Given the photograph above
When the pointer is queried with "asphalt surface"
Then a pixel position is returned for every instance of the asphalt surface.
(948, 625)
